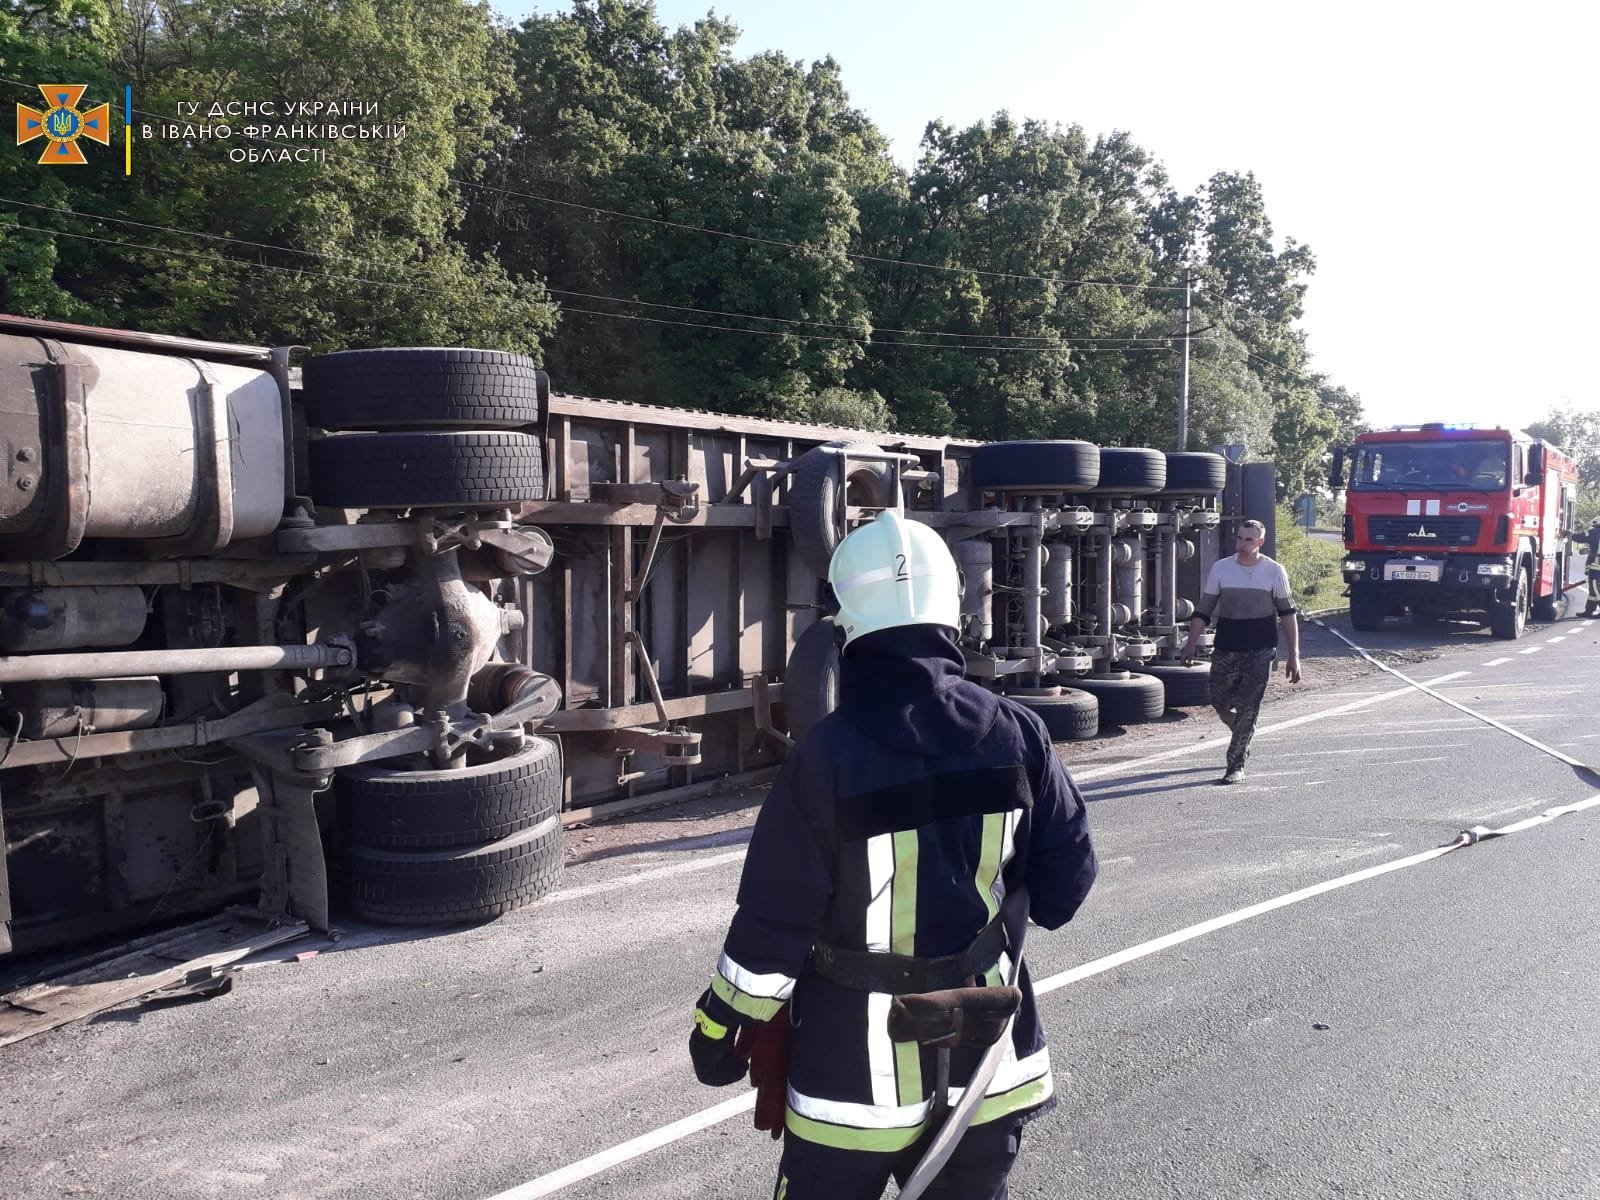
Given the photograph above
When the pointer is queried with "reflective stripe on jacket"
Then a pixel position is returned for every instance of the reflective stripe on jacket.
(865, 847)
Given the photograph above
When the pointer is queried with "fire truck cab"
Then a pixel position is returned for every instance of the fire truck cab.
(1445, 520)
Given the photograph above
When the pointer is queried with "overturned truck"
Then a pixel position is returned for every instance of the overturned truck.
(365, 632)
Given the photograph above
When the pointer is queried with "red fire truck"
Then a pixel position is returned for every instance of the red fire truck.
(1443, 520)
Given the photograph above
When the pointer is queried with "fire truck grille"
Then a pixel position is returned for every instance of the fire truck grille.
(1423, 531)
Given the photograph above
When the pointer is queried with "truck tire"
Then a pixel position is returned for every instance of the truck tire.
(814, 500)
(389, 809)
(1125, 699)
(1185, 686)
(1134, 471)
(1554, 606)
(454, 883)
(1508, 618)
(426, 470)
(811, 680)
(1072, 716)
(1061, 465)
(1192, 473)
(1366, 609)
(423, 388)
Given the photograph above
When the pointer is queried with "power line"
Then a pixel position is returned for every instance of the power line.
(1162, 341)
(866, 345)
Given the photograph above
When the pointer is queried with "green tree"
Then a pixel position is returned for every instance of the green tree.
(50, 40)
(1577, 433)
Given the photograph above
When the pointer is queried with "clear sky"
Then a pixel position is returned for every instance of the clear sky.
(1437, 157)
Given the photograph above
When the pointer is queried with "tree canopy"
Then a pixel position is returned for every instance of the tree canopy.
(661, 221)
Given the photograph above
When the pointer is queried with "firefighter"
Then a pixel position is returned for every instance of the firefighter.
(909, 838)
(1592, 568)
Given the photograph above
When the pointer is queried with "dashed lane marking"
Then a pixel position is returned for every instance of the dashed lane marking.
(1496, 662)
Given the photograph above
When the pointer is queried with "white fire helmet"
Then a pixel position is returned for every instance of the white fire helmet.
(893, 572)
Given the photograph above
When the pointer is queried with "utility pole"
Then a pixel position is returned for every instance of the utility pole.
(1183, 391)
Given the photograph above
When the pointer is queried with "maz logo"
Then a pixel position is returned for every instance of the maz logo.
(1422, 531)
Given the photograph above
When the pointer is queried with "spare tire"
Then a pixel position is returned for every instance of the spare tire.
(1185, 686)
(426, 470)
(1125, 699)
(814, 499)
(811, 680)
(1192, 473)
(387, 808)
(1035, 466)
(423, 387)
(1134, 471)
(1073, 716)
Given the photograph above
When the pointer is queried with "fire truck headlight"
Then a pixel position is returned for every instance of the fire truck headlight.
(1358, 565)
(1494, 568)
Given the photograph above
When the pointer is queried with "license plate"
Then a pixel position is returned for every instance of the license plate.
(1427, 572)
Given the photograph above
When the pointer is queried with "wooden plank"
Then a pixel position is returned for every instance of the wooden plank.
(217, 943)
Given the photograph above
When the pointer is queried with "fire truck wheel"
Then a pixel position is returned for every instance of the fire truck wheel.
(811, 682)
(1072, 716)
(1554, 606)
(1509, 617)
(454, 883)
(1185, 686)
(1366, 611)
(814, 499)
(389, 809)
(423, 387)
(426, 470)
(1052, 467)
(1192, 473)
(1125, 699)
(1131, 472)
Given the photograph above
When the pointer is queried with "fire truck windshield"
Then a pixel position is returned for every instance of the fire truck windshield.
(1431, 466)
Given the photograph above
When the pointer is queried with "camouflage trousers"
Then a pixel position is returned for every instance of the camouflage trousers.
(1238, 682)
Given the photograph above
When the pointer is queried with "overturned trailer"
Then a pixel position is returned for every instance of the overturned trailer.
(369, 631)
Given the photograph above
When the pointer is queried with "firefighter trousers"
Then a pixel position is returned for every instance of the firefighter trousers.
(976, 1171)
(1238, 683)
(1593, 572)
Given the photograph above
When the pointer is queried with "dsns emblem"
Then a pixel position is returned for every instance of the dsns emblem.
(63, 124)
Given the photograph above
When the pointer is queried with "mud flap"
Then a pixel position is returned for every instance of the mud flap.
(294, 878)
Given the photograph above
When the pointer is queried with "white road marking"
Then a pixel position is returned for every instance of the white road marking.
(1558, 638)
(1111, 961)
(1531, 650)
(1363, 750)
(1367, 700)
(1292, 722)
(585, 1168)
(623, 881)
(1496, 662)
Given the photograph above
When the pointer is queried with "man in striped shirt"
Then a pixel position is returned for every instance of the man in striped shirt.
(1248, 598)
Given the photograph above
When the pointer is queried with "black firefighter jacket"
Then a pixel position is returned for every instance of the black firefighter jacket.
(903, 822)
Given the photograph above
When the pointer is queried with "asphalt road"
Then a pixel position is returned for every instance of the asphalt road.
(1428, 1032)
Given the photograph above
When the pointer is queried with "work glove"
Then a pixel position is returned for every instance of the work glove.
(713, 1047)
(766, 1045)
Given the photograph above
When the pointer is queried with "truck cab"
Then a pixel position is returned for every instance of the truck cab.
(1445, 520)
